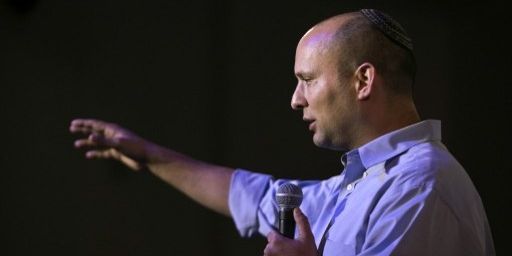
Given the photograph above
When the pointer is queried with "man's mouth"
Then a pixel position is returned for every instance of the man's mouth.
(311, 124)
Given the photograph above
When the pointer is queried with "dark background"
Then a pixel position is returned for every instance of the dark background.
(213, 80)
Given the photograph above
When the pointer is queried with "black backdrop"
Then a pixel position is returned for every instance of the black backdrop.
(213, 80)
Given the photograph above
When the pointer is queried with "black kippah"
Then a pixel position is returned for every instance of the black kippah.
(392, 29)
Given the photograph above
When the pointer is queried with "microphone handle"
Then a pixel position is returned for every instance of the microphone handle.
(287, 223)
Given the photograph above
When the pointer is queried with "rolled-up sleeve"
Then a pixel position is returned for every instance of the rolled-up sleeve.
(245, 194)
(252, 200)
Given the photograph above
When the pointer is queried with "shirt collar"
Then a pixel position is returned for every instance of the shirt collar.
(396, 142)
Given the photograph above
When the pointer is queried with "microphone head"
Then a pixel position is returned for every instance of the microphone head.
(289, 196)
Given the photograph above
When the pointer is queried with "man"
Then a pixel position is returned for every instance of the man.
(401, 192)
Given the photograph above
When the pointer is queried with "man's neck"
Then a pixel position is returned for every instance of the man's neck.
(387, 120)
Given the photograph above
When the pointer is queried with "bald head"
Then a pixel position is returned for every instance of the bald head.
(353, 81)
(367, 36)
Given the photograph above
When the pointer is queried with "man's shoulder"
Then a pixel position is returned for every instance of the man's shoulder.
(428, 163)
(432, 165)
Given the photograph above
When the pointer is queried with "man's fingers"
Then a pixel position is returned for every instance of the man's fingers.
(102, 140)
(85, 143)
(132, 164)
(272, 236)
(279, 245)
(303, 226)
(274, 242)
(101, 154)
(270, 250)
(95, 140)
(104, 154)
(79, 129)
(87, 126)
(114, 154)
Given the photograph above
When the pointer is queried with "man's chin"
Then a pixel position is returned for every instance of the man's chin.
(322, 142)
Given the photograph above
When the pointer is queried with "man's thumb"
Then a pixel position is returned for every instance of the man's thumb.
(302, 225)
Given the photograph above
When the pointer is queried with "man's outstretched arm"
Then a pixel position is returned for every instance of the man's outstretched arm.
(205, 183)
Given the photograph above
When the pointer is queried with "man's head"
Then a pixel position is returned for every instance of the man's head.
(351, 71)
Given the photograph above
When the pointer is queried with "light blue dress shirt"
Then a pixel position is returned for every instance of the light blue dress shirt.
(400, 194)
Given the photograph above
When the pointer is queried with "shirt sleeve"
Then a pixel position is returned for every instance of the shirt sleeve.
(245, 193)
(252, 200)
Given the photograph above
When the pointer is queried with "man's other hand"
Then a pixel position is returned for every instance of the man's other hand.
(304, 245)
(110, 141)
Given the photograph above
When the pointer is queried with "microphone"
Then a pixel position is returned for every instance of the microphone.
(288, 197)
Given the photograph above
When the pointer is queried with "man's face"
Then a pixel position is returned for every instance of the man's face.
(326, 99)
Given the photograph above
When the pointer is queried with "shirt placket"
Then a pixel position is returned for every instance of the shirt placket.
(353, 173)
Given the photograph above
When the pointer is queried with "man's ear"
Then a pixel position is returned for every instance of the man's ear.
(365, 76)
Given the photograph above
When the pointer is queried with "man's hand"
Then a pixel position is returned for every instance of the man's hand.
(206, 183)
(304, 245)
(110, 141)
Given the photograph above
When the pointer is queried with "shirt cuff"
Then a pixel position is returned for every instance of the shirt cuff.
(245, 193)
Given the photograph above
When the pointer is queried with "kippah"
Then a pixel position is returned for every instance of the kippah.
(391, 28)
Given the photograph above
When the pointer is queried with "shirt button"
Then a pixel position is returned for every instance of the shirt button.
(365, 174)
(350, 187)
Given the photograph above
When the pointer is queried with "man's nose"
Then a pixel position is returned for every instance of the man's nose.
(298, 99)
